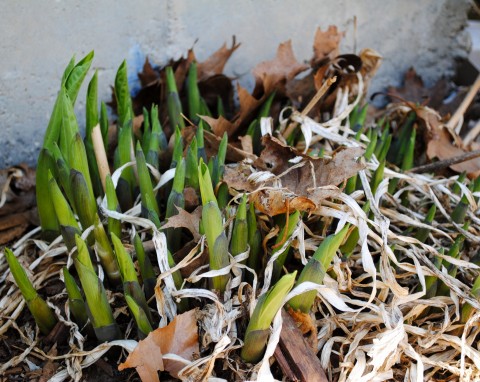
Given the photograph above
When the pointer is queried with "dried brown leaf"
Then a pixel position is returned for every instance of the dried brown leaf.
(440, 143)
(184, 219)
(326, 44)
(216, 62)
(148, 74)
(180, 337)
(272, 75)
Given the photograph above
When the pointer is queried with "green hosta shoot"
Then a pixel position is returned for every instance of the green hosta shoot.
(213, 224)
(193, 93)
(174, 105)
(141, 318)
(122, 94)
(145, 182)
(124, 155)
(75, 300)
(422, 233)
(114, 225)
(176, 199)
(46, 210)
(85, 205)
(68, 224)
(41, 312)
(239, 242)
(131, 286)
(282, 236)
(146, 269)
(254, 238)
(99, 311)
(92, 120)
(316, 269)
(201, 153)
(258, 328)
(191, 165)
(177, 148)
(105, 252)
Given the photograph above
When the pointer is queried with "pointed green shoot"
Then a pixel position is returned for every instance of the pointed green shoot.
(268, 305)
(174, 105)
(280, 261)
(145, 183)
(114, 225)
(316, 269)
(41, 312)
(193, 93)
(75, 299)
(141, 318)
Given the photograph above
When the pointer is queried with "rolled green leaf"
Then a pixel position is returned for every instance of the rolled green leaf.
(76, 75)
(158, 141)
(176, 199)
(239, 242)
(69, 129)
(75, 300)
(145, 183)
(174, 105)
(268, 305)
(141, 318)
(122, 94)
(280, 261)
(114, 225)
(68, 224)
(85, 205)
(177, 148)
(126, 182)
(146, 269)
(104, 124)
(200, 142)
(377, 177)
(46, 209)
(316, 269)
(105, 252)
(131, 286)
(422, 233)
(371, 146)
(41, 312)
(213, 224)
(254, 238)
(467, 309)
(191, 166)
(193, 93)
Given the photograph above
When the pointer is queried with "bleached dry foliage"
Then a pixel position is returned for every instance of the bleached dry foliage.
(371, 320)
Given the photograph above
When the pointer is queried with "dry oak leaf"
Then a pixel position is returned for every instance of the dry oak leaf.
(326, 45)
(304, 184)
(439, 143)
(184, 219)
(216, 62)
(272, 75)
(180, 337)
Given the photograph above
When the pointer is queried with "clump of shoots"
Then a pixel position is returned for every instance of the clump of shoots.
(41, 312)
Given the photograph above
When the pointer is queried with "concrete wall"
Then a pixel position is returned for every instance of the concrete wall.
(37, 39)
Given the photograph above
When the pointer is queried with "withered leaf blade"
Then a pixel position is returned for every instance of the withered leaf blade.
(180, 337)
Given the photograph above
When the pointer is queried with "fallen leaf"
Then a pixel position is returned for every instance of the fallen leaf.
(216, 62)
(440, 145)
(148, 74)
(326, 45)
(247, 144)
(184, 219)
(414, 90)
(272, 75)
(180, 337)
(304, 183)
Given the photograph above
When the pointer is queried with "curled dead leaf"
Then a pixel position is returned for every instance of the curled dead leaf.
(179, 337)
(326, 45)
(184, 219)
(216, 62)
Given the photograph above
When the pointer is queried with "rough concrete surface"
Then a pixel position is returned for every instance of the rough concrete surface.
(37, 39)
